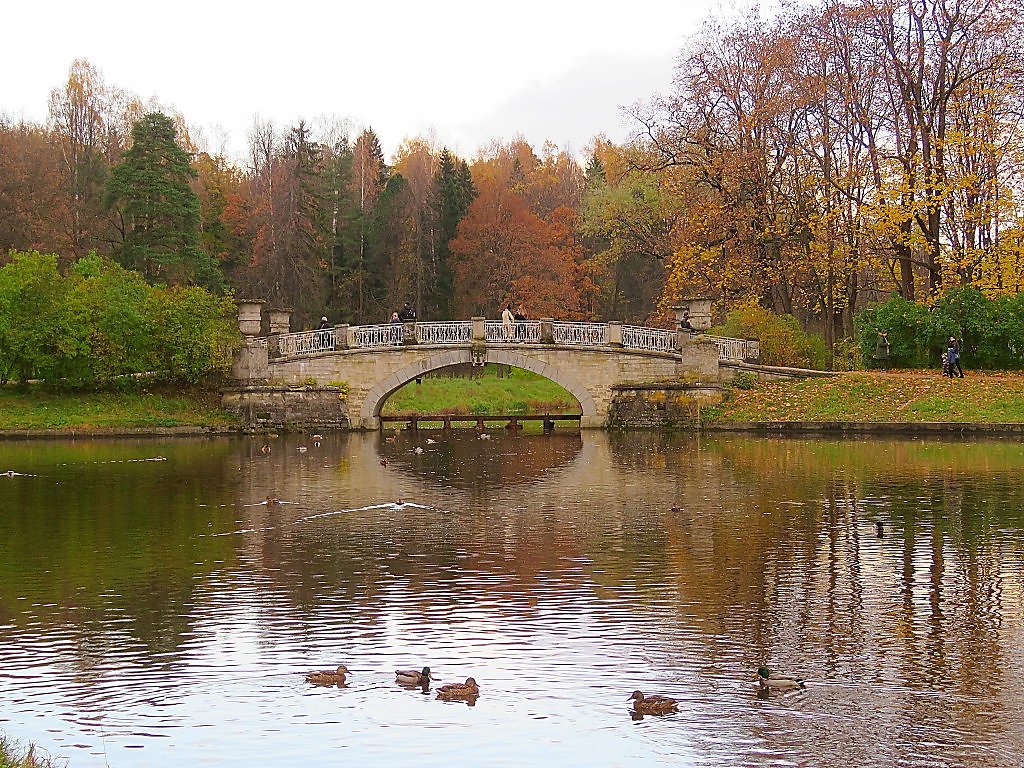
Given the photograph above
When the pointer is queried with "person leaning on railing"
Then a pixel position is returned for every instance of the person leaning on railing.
(323, 335)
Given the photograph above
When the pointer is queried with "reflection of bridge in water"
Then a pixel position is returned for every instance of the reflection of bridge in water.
(589, 360)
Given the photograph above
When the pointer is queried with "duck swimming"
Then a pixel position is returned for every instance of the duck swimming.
(273, 501)
(412, 677)
(772, 681)
(466, 690)
(327, 677)
(653, 705)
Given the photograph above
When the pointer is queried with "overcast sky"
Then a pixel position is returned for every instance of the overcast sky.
(466, 72)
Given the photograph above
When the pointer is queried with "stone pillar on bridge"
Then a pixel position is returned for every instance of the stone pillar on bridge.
(696, 312)
(280, 320)
(408, 333)
(341, 336)
(547, 330)
(250, 316)
(614, 333)
(752, 350)
(479, 328)
(251, 363)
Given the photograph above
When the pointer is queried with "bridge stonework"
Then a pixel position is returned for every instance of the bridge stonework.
(348, 372)
(589, 374)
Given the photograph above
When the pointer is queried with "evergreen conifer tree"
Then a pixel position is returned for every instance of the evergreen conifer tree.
(158, 209)
(455, 193)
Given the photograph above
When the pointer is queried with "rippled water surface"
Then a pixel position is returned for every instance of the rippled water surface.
(154, 610)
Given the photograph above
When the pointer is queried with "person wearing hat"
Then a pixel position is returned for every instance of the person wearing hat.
(954, 358)
(323, 334)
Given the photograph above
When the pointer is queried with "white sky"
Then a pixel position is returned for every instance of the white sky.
(467, 71)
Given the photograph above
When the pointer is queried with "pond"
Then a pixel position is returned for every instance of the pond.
(155, 610)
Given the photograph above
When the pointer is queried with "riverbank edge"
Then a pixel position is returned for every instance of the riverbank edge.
(867, 427)
(757, 427)
(78, 432)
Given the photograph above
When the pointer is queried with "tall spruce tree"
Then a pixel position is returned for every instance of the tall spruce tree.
(455, 193)
(158, 209)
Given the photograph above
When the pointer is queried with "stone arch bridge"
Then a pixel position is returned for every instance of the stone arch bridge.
(590, 360)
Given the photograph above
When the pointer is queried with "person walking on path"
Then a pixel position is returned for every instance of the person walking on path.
(508, 322)
(954, 358)
(882, 350)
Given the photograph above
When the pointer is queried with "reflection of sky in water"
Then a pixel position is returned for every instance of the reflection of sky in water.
(163, 612)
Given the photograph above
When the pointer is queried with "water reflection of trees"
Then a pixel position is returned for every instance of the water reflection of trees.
(766, 546)
(104, 543)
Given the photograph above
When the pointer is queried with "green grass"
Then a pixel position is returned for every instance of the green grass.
(522, 392)
(11, 756)
(902, 396)
(37, 409)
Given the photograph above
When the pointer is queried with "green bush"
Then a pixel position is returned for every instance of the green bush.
(847, 355)
(100, 325)
(991, 331)
(783, 342)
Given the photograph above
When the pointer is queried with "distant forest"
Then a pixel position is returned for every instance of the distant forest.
(810, 164)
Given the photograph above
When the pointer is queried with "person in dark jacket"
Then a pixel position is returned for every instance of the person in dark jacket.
(954, 358)
(324, 339)
(407, 313)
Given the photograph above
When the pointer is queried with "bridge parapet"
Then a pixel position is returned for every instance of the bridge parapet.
(460, 333)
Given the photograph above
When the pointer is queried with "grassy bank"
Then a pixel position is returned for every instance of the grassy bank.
(520, 392)
(11, 756)
(37, 409)
(900, 396)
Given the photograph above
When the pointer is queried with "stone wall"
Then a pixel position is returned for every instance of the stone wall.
(666, 406)
(304, 407)
(729, 369)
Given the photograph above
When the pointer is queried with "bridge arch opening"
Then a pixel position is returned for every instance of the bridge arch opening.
(379, 394)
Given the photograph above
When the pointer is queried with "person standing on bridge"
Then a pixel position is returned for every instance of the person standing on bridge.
(508, 322)
(323, 335)
(407, 314)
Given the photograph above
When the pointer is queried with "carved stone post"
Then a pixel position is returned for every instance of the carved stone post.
(341, 336)
(752, 350)
(695, 312)
(408, 333)
(280, 321)
(479, 328)
(250, 313)
(547, 330)
(614, 333)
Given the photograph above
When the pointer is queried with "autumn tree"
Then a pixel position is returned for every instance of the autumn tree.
(505, 253)
(32, 199)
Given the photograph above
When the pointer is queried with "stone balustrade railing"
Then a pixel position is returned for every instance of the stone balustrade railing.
(392, 335)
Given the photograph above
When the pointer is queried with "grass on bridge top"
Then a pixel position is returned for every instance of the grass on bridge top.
(875, 396)
(493, 392)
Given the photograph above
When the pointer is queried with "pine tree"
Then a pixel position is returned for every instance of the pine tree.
(455, 193)
(158, 209)
(595, 173)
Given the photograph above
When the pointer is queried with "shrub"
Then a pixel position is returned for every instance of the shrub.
(783, 342)
(100, 325)
(990, 330)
